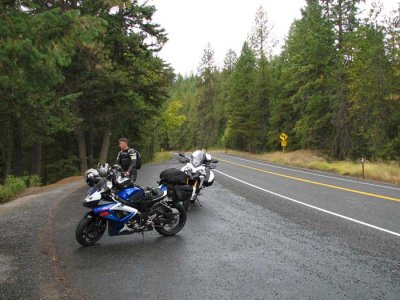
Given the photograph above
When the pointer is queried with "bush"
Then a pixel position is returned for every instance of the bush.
(33, 180)
(12, 186)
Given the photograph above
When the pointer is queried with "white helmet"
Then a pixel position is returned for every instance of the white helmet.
(103, 169)
(92, 177)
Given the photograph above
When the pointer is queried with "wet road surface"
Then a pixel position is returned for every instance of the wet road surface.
(242, 242)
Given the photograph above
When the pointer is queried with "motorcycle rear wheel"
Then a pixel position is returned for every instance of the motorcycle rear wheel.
(180, 220)
(89, 231)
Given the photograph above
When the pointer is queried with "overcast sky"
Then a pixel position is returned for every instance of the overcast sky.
(225, 24)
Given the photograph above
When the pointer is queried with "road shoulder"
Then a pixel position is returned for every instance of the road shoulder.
(29, 264)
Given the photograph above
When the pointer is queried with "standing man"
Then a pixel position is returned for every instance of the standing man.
(127, 159)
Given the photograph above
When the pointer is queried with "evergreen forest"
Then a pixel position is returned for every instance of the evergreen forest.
(76, 75)
(335, 87)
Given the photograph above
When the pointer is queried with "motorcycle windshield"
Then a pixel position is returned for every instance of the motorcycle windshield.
(197, 158)
(92, 191)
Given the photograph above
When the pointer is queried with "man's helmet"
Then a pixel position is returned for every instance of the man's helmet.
(92, 177)
(103, 169)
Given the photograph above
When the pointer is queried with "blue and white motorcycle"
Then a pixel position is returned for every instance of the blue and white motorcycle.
(126, 208)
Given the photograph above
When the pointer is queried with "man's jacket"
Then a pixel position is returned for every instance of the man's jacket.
(127, 159)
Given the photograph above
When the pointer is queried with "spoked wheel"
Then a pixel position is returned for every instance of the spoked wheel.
(89, 231)
(179, 215)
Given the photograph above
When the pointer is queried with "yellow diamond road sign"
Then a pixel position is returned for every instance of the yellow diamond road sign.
(283, 137)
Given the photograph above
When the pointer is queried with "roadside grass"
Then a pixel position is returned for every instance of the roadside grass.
(15, 185)
(384, 172)
(159, 157)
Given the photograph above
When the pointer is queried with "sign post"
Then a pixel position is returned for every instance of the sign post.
(362, 167)
(283, 138)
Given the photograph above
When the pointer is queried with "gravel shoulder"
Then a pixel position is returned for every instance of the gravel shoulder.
(29, 263)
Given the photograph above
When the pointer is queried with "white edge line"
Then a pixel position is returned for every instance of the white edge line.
(312, 206)
(311, 173)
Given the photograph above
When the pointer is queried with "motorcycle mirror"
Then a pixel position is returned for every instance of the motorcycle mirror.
(181, 154)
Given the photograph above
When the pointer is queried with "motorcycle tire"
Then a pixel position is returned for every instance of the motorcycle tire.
(167, 229)
(88, 233)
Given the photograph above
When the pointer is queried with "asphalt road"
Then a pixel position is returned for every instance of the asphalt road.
(262, 232)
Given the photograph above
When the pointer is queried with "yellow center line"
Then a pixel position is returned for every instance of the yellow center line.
(314, 182)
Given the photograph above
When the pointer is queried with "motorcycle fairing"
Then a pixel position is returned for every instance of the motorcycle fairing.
(110, 211)
(132, 194)
(117, 215)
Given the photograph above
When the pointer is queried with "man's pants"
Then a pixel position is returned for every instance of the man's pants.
(133, 175)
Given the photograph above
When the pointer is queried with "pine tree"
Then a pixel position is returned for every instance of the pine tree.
(206, 106)
(263, 43)
(342, 14)
(261, 38)
(244, 115)
(305, 99)
(368, 76)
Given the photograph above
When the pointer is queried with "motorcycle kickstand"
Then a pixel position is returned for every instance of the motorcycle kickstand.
(197, 198)
(142, 237)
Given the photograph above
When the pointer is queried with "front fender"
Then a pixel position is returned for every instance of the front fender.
(89, 215)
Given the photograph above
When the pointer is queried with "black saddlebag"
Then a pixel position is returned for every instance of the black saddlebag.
(179, 192)
(183, 192)
(173, 176)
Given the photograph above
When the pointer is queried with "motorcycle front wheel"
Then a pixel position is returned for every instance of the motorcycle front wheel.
(177, 224)
(90, 230)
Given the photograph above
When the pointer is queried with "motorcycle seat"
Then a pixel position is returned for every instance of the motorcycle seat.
(156, 193)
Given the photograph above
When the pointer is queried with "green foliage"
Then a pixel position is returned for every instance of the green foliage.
(33, 181)
(87, 66)
(333, 88)
(12, 186)
(62, 168)
(75, 76)
(173, 120)
(244, 106)
(160, 157)
(308, 55)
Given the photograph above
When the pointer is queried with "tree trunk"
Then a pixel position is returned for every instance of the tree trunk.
(36, 159)
(3, 162)
(342, 140)
(17, 151)
(36, 164)
(90, 136)
(105, 145)
(82, 149)
(9, 153)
